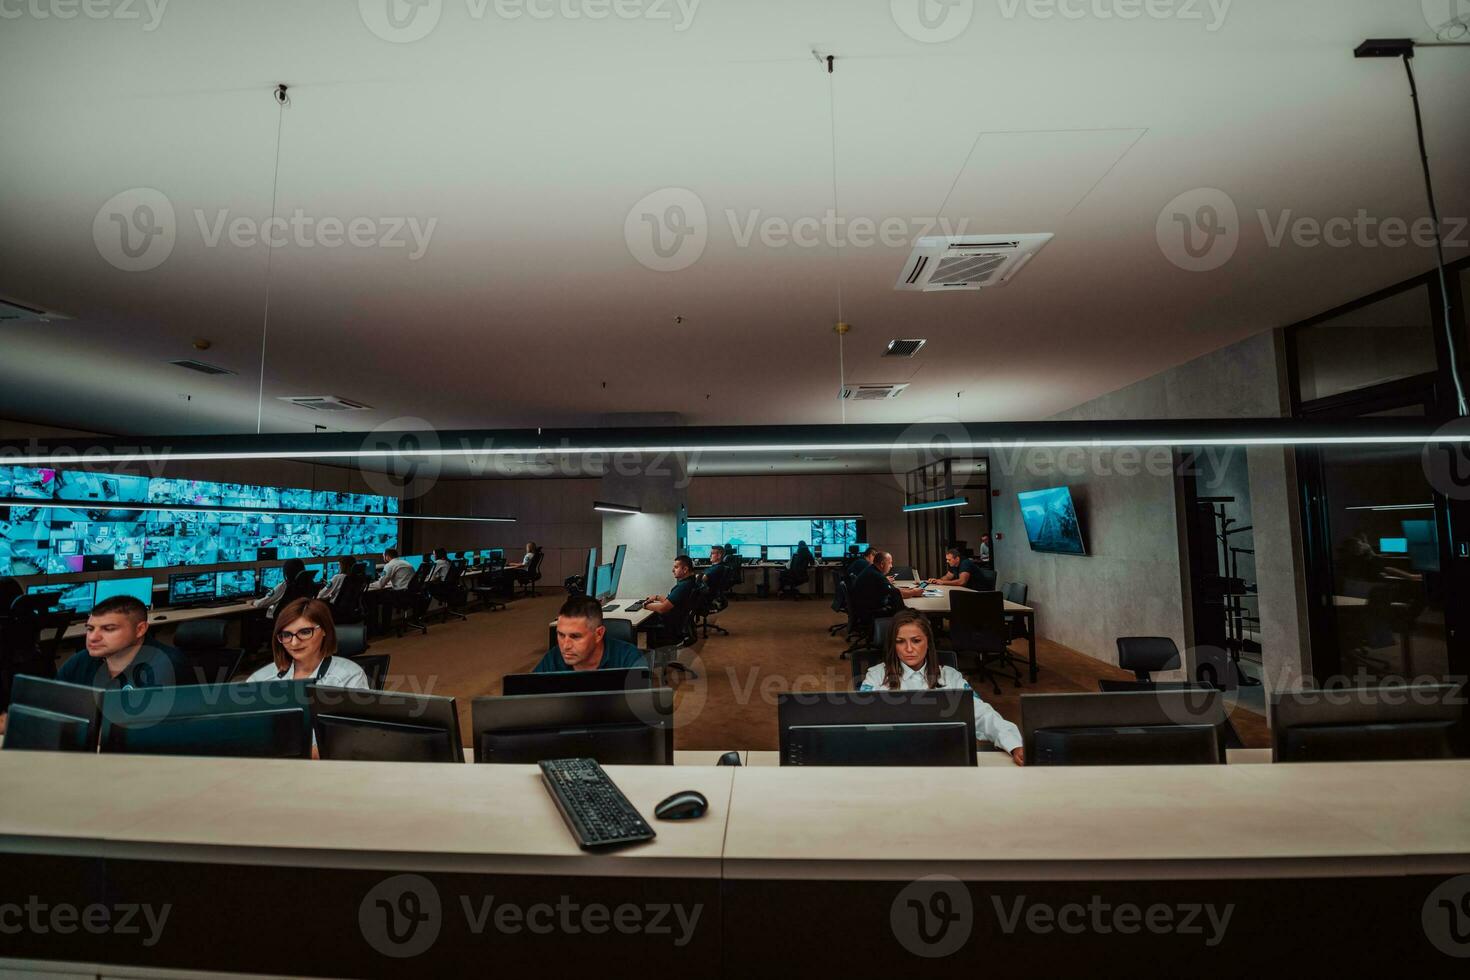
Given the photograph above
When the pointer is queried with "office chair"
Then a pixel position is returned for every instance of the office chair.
(620, 629)
(487, 587)
(839, 603)
(450, 593)
(20, 651)
(39, 608)
(707, 603)
(412, 601)
(375, 665)
(977, 625)
(984, 580)
(347, 605)
(864, 657)
(303, 586)
(533, 573)
(1145, 654)
(1014, 592)
(736, 564)
(208, 658)
(352, 640)
(790, 581)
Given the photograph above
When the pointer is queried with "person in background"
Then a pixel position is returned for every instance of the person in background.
(961, 569)
(302, 649)
(718, 572)
(984, 552)
(292, 568)
(911, 663)
(861, 564)
(377, 599)
(442, 566)
(345, 567)
(797, 569)
(673, 609)
(873, 595)
(582, 642)
(520, 571)
(119, 653)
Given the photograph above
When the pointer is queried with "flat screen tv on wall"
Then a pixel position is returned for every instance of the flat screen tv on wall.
(1051, 521)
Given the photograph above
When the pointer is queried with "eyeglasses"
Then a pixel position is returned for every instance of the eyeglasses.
(286, 636)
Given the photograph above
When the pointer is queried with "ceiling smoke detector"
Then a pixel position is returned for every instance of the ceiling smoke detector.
(872, 393)
(326, 403)
(904, 348)
(947, 262)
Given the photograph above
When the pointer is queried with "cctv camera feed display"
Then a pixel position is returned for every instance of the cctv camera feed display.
(1051, 521)
(54, 520)
(832, 535)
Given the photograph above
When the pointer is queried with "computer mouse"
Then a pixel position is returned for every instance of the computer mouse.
(157, 618)
(686, 804)
(729, 759)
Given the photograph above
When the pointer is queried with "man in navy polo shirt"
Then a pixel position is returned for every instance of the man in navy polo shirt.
(119, 653)
(961, 570)
(582, 642)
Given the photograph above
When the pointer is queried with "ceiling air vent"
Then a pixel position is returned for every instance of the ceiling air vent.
(12, 312)
(201, 367)
(903, 348)
(945, 262)
(327, 403)
(872, 393)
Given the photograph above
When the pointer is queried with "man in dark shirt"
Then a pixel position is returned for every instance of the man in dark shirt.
(961, 572)
(673, 609)
(861, 564)
(119, 653)
(718, 573)
(582, 642)
(873, 596)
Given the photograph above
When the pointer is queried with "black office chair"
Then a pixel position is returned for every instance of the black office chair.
(839, 603)
(977, 625)
(375, 665)
(620, 629)
(1145, 654)
(533, 572)
(413, 602)
(490, 584)
(450, 593)
(862, 658)
(207, 655)
(790, 581)
(303, 586)
(1015, 592)
(984, 580)
(20, 651)
(53, 716)
(352, 640)
(736, 564)
(347, 606)
(708, 603)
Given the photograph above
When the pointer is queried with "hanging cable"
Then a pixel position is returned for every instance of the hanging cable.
(841, 326)
(282, 101)
(1444, 291)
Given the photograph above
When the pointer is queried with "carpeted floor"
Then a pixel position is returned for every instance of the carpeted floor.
(774, 646)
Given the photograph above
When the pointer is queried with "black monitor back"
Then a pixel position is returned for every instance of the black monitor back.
(877, 728)
(384, 726)
(1110, 686)
(52, 715)
(577, 681)
(1366, 724)
(267, 719)
(1159, 727)
(634, 727)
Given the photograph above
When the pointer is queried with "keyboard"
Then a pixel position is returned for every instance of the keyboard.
(633, 606)
(610, 607)
(595, 810)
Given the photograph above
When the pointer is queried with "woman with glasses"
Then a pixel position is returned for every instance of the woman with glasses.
(302, 649)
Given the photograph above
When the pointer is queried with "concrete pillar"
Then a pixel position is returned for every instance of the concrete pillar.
(659, 488)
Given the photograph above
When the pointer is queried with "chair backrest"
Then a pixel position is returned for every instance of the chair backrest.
(839, 594)
(217, 666)
(904, 573)
(303, 586)
(977, 621)
(619, 629)
(882, 629)
(1015, 592)
(948, 658)
(201, 635)
(533, 570)
(375, 665)
(352, 639)
(1146, 654)
(985, 580)
(347, 606)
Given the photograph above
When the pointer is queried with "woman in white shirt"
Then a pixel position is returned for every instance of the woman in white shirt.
(911, 663)
(302, 649)
(330, 590)
(289, 571)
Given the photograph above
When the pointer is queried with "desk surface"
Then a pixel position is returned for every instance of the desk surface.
(620, 613)
(384, 815)
(940, 603)
(171, 617)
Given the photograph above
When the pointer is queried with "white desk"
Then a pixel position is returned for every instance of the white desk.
(636, 619)
(172, 617)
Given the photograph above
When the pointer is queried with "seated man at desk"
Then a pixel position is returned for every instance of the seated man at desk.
(860, 564)
(873, 595)
(442, 566)
(118, 652)
(961, 569)
(718, 573)
(378, 599)
(673, 609)
(911, 663)
(582, 642)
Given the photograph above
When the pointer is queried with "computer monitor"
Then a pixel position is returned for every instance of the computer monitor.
(191, 588)
(384, 726)
(590, 572)
(751, 551)
(614, 727)
(778, 552)
(577, 681)
(1108, 685)
(496, 554)
(699, 552)
(862, 548)
(1393, 546)
(139, 588)
(52, 716)
(1180, 727)
(239, 584)
(617, 568)
(367, 567)
(267, 719)
(877, 728)
(602, 585)
(414, 560)
(76, 598)
(1369, 723)
(271, 577)
(318, 570)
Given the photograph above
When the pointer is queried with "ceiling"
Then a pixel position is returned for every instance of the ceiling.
(528, 142)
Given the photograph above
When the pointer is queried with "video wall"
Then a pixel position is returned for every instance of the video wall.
(54, 522)
(833, 535)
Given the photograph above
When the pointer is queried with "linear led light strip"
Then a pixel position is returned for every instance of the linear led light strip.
(1434, 439)
(1391, 507)
(124, 505)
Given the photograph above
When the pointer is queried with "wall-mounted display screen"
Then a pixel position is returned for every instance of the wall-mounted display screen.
(1051, 521)
(833, 535)
(77, 515)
